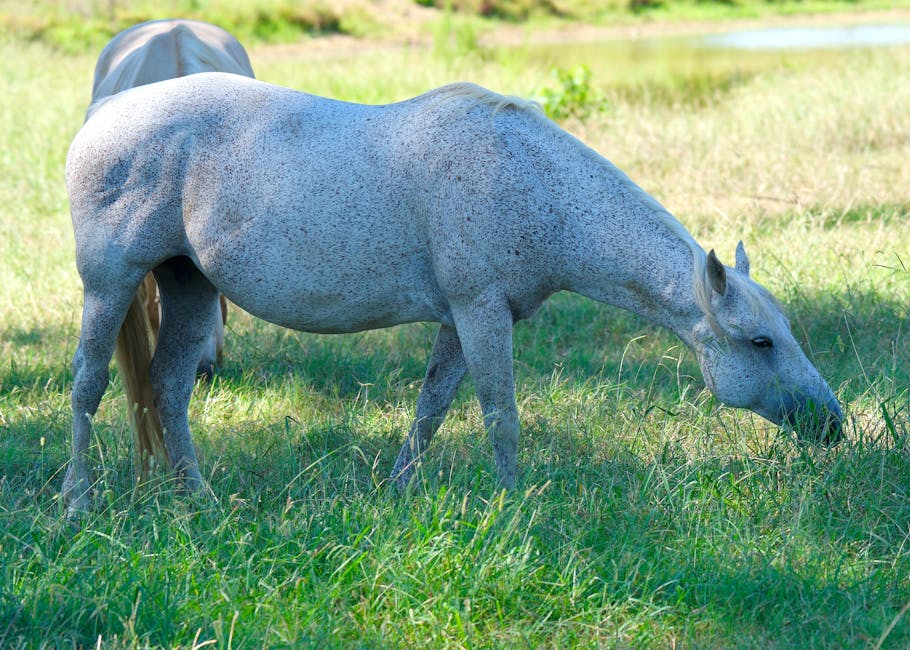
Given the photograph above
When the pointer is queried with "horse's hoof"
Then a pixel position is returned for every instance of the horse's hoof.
(203, 492)
(75, 514)
(77, 506)
(76, 494)
(403, 472)
(401, 483)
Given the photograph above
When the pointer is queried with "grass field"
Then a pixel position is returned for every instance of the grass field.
(648, 515)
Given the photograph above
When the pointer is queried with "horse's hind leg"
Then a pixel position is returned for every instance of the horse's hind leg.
(189, 304)
(212, 350)
(102, 316)
(445, 371)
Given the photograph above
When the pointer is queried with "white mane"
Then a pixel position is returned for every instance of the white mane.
(482, 96)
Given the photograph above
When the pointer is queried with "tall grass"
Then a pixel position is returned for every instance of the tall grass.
(648, 515)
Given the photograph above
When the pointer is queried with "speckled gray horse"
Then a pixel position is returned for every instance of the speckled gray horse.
(166, 49)
(459, 207)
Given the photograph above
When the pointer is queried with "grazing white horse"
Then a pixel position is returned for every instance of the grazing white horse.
(459, 206)
(166, 49)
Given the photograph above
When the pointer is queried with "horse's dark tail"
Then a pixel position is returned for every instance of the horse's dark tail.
(134, 357)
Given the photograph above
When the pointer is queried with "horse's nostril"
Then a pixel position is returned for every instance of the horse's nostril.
(833, 428)
(818, 425)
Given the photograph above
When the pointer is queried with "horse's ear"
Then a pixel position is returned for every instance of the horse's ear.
(742, 260)
(717, 274)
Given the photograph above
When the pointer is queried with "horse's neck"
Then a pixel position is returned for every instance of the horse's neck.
(624, 252)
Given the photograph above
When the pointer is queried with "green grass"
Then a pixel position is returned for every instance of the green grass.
(86, 25)
(648, 515)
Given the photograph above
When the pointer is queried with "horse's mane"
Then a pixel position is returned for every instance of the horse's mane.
(482, 96)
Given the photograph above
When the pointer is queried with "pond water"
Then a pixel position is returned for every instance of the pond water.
(712, 58)
(804, 38)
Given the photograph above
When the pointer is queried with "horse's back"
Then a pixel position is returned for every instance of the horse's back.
(165, 49)
(315, 213)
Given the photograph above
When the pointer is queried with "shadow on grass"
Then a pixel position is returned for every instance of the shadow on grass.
(857, 339)
(758, 550)
(773, 543)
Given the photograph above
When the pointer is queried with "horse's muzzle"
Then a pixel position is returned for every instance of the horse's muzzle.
(814, 423)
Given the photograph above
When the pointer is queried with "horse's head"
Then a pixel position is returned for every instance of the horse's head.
(749, 358)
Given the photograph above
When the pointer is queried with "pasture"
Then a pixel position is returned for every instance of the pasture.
(647, 514)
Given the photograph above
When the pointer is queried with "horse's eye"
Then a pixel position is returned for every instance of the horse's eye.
(762, 342)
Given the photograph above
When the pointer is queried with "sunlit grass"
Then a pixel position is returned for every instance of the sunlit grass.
(647, 514)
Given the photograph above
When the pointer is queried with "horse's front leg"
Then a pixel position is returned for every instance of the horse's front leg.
(485, 331)
(445, 371)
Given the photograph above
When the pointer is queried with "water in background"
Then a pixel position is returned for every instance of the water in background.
(626, 63)
(807, 38)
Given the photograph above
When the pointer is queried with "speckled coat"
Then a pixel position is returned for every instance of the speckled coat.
(157, 50)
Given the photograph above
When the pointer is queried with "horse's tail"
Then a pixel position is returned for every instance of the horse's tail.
(134, 358)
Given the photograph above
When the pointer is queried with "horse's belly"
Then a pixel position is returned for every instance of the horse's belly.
(301, 245)
(332, 299)
(328, 313)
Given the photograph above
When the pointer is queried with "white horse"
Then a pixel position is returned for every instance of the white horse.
(154, 51)
(459, 206)
(165, 49)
